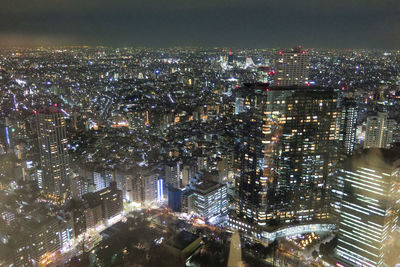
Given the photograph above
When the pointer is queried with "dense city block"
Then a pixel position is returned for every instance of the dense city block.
(199, 157)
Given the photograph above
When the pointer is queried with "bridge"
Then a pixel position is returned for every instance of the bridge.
(297, 230)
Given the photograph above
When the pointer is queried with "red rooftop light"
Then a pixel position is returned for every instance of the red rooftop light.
(55, 104)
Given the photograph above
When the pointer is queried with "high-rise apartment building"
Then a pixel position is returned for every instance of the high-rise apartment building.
(379, 132)
(54, 160)
(292, 67)
(145, 186)
(284, 152)
(348, 125)
(346, 145)
(368, 210)
(172, 174)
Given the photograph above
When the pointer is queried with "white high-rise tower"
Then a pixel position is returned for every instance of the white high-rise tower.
(379, 132)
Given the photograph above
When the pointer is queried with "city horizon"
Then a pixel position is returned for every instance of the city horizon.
(199, 133)
(221, 47)
(341, 24)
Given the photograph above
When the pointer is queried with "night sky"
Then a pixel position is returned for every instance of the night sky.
(228, 23)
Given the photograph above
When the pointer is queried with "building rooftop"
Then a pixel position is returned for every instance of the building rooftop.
(205, 186)
(378, 157)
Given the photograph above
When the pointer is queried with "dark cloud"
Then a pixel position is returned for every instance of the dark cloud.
(236, 23)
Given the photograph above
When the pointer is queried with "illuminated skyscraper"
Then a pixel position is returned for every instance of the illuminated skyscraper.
(348, 125)
(292, 67)
(284, 152)
(368, 209)
(54, 160)
(379, 132)
(346, 142)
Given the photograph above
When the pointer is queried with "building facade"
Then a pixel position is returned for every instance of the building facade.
(284, 151)
(368, 212)
(54, 159)
(379, 133)
(292, 67)
(348, 125)
(210, 201)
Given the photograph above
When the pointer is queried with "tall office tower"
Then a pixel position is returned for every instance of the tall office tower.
(54, 158)
(210, 201)
(368, 209)
(379, 132)
(284, 151)
(292, 67)
(348, 125)
(346, 142)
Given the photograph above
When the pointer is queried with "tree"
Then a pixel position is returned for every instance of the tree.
(261, 249)
(314, 254)
(328, 248)
(81, 261)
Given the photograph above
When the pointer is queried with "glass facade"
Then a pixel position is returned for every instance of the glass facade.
(284, 152)
(368, 211)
